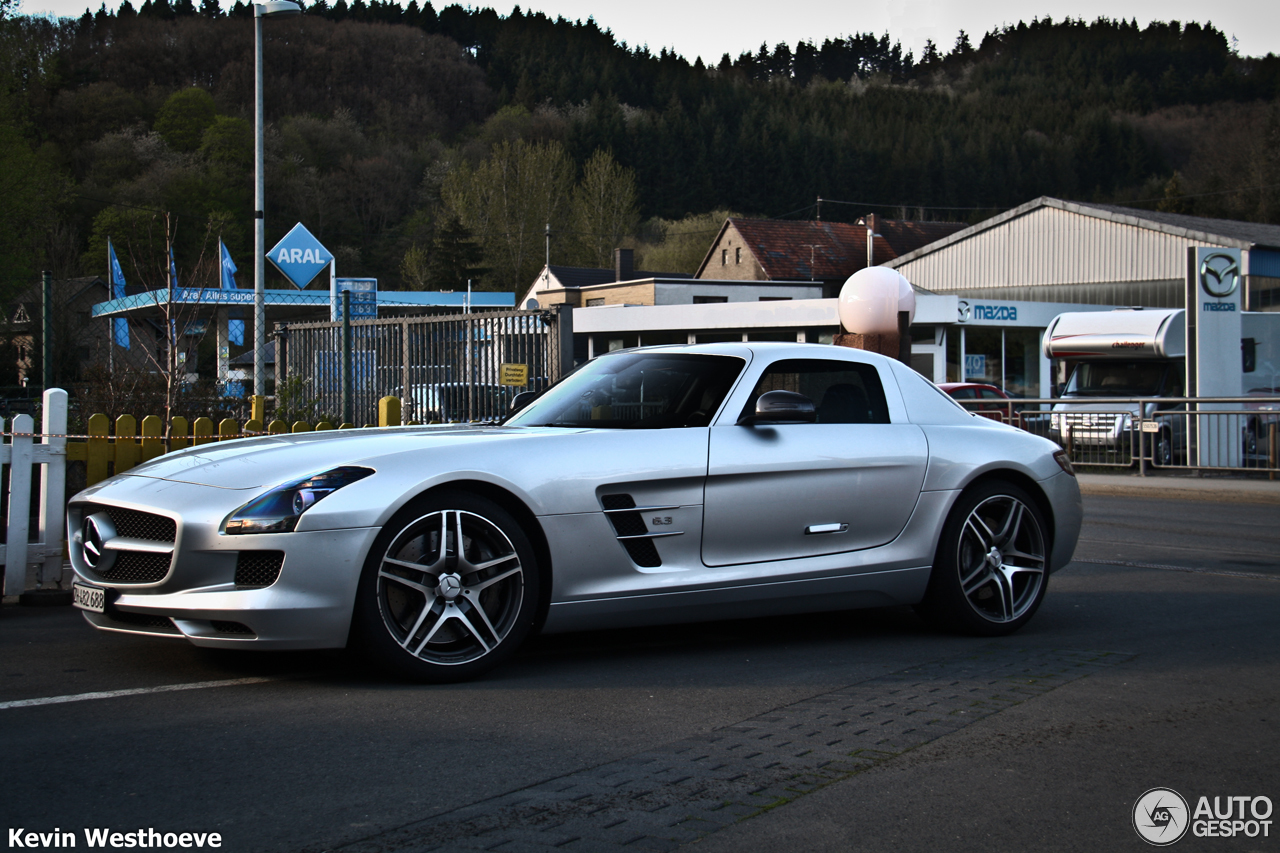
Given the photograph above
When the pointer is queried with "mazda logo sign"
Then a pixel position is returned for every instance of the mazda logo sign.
(95, 532)
(1219, 274)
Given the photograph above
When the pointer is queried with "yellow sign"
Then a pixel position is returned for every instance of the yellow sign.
(514, 374)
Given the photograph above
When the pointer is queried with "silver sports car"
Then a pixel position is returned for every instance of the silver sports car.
(650, 486)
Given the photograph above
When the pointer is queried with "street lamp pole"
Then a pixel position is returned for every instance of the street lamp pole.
(270, 9)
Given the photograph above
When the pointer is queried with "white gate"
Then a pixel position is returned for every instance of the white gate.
(22, 453)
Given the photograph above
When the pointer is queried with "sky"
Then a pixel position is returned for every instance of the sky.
(696, 28)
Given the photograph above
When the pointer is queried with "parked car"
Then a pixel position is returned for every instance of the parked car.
(980, 398)
(649, 487)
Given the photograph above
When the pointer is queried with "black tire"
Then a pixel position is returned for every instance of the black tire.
(976, 587)
(431, 611)
(1162, 451)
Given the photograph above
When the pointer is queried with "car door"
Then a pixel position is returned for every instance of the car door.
(847, 482)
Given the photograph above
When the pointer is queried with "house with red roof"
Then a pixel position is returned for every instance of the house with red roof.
(827, 252)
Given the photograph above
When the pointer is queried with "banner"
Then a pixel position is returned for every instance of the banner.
(228, 268)
(120, 325)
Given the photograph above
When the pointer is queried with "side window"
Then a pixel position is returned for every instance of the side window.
(964, 393)
(844, 392)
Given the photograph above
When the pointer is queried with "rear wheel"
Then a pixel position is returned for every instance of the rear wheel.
(991, 569)
(1162, 452)
(449, 589)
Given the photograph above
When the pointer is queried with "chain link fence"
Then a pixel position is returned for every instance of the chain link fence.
(447, 368)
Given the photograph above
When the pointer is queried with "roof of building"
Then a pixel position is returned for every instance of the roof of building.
(1225, 232)
(586, 277)
(816, 250)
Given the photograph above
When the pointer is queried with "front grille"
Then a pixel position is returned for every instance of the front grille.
(238, 628)
(140, 620)
(258, 568)
(137, 567)
(135, 524)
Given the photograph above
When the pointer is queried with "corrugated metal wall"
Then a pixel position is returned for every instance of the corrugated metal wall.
(1057, 249)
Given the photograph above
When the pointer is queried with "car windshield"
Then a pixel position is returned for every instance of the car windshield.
(1116, 379)
(637, 390)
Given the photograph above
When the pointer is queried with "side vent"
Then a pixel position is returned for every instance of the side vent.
(628, 525)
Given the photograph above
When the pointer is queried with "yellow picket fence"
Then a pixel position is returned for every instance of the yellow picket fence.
(105, 453)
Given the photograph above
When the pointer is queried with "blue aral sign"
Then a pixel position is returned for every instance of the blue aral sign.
(299, 256)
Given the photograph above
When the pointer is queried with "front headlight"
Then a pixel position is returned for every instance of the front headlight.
(278, 510)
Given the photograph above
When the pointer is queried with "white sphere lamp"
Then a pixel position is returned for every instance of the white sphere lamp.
(871, 299)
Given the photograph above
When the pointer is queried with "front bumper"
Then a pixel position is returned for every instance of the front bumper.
(1063, 492)
(307, 605)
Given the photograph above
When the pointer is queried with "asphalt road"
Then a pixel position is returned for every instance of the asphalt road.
(318, 753)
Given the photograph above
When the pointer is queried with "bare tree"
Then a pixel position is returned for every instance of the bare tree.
(180, 327)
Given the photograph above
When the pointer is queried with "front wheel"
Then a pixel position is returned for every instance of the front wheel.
(449, 589)
(991, 568)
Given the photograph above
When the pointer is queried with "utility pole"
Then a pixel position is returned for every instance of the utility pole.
(46, 344)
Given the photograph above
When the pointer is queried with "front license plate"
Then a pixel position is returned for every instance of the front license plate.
(88, 597)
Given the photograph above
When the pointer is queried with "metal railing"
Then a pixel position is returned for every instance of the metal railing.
(447, 368)
(1184, 433)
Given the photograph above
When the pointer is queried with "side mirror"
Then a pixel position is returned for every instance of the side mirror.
(521, 400)
(781, 407)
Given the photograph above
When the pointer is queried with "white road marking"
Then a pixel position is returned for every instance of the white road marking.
(1228, 572)
(136, 691)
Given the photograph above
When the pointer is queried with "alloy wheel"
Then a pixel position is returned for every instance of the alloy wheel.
(1001, 559)
(450, 587)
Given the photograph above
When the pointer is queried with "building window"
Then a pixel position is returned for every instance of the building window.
(709, 300)
(724, 257)
(591, 303)
(737, 255)
(775, 299)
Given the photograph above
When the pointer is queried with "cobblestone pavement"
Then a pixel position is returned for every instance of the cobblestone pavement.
(663, 798)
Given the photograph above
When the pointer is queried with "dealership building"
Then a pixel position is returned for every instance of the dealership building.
(984, 294)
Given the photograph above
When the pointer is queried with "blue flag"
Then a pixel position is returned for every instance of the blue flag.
(120, 325)
(228, 269)
(173, 271)
(235, 331)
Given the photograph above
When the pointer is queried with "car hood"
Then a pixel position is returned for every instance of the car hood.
(253, 463)
(1084, 404)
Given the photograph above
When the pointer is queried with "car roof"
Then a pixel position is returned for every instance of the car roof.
(768, 349)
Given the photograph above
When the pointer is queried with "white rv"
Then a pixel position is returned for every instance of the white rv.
(1142, 353)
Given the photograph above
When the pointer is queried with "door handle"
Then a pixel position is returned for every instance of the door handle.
(834, 527)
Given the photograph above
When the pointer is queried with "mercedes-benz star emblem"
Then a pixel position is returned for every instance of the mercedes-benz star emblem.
(1219, 274)
(96, 531)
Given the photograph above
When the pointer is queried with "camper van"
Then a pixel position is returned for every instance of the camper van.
(1141, 353)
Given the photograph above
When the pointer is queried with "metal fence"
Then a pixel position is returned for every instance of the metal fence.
(449, 368)
(1186, 433)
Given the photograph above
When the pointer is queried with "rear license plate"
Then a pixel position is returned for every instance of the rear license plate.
(88, 597)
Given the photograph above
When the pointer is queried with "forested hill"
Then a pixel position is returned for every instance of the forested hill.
(426, 146)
